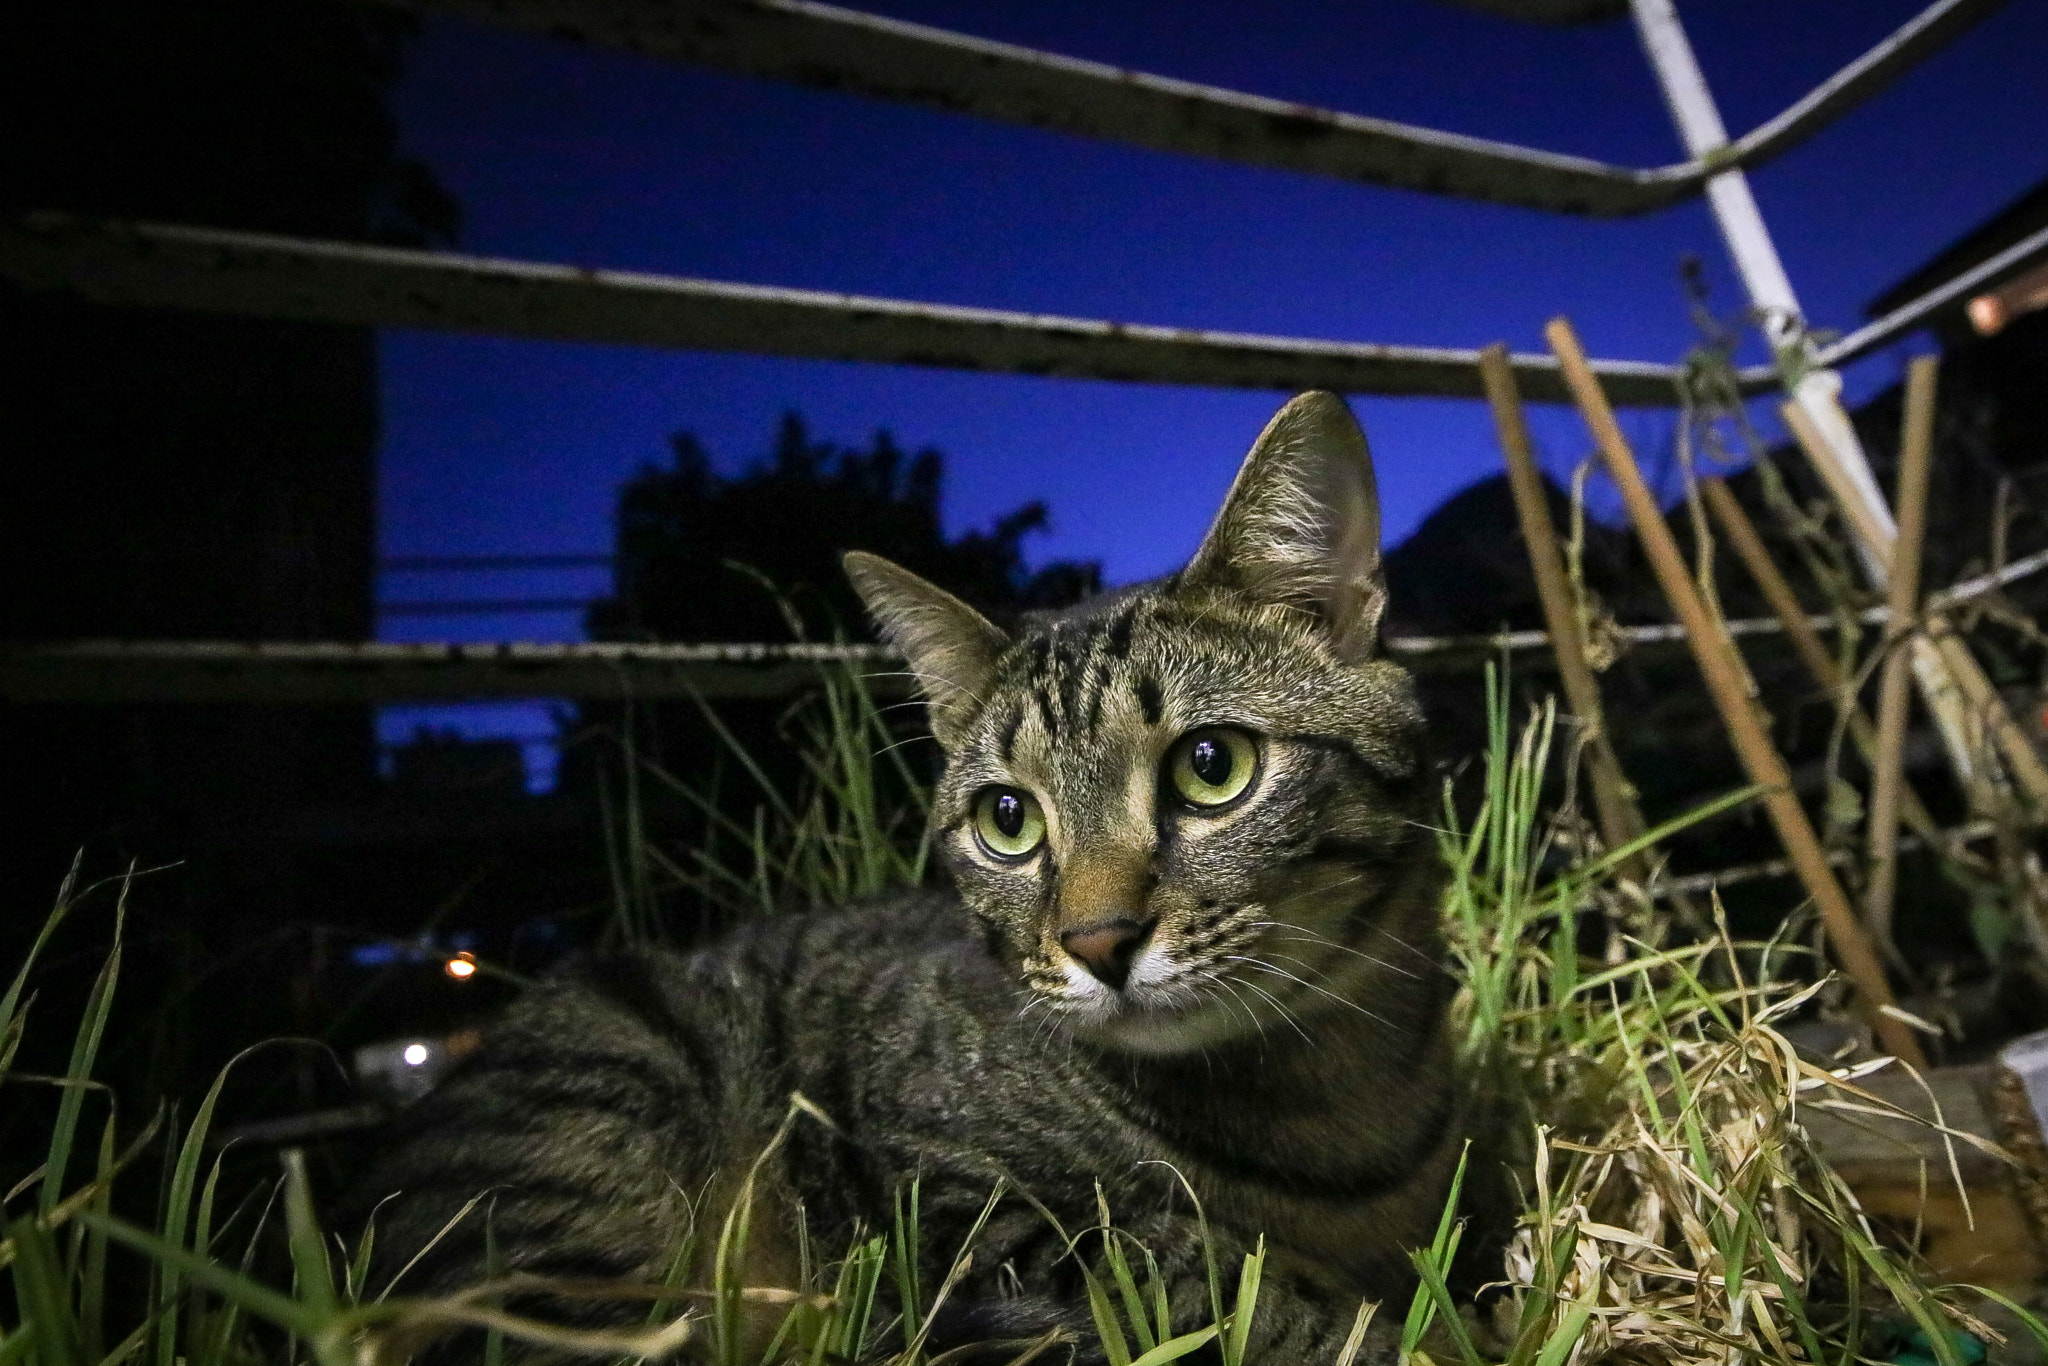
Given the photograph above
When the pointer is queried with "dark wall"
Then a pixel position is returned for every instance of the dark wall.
(175, 475)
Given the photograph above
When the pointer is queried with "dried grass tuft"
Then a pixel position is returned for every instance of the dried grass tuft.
(1676, 1208)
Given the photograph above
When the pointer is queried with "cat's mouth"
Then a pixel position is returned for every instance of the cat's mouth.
(1159, 1006)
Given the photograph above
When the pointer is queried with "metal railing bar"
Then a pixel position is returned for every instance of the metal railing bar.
(1698, 884)
(340, 672)
(844, 49)
(481, 607)
(271, 276)
(1907, 46)
(410, 564)
(1908, 316)
(216, 270)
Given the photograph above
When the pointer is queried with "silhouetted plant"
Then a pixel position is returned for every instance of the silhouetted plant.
(690, 539)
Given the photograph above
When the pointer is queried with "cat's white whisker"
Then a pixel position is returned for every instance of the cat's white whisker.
(1308, 936)
(1264, 966)
(1285, 1013)
(1251, 1016)
(1299, 962)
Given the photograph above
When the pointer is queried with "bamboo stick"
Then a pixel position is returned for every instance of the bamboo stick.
(1982, 706)
(1903, 596)
(1741, 535)
(1613, 799)
(1724, 675)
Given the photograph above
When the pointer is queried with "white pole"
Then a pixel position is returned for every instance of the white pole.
(1815, 389)
(1756, 256)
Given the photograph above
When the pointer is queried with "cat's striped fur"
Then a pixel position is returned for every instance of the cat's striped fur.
(1244, 992)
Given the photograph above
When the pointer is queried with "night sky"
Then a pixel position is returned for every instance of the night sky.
(593, 157)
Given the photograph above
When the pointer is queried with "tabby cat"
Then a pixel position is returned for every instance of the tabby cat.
(1192, 934)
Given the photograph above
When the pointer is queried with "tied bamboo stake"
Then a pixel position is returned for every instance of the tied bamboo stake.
(1742, 537)
(1903, 594)
(1723, 671)
(1620, 821)
(1984, 707)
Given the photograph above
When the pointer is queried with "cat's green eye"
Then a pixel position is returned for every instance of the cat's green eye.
(1213, 766)
(1008, 822)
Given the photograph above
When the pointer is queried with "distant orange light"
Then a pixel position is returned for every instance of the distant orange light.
(1987, 314)
(462, 966)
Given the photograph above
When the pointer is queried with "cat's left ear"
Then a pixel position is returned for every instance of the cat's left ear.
(1301, 525)
(951, 647)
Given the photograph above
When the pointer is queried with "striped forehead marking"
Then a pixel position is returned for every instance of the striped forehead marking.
(1070, 669)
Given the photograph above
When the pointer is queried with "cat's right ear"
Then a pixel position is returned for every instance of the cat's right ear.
(1301, 525)
(951, 647)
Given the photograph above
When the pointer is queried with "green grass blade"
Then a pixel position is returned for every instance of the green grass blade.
(1422, 1309)
(909, 1255)
(128, 1346)
(1127, 1290)
(212, 1334)
(1565, 1336)
(43, 1297)
(202, 1243)
(178, 1206)
(494, 1336)
(92, 1277)
(1649, 839)
(1246, 1306)
(1162, 1306)
(15, 1347)
(1446, 1307)
(85, 1048)
(308, 1248)
(244, 1291)
(1114, 1345)
(863, 1285)
(2028, 1319)
(12, 1012)
(1421, 1312)
(1175, 1348)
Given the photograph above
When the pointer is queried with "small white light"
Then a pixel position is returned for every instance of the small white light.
(415, 1054)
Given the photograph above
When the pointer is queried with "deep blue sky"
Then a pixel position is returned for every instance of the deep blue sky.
(593, 157)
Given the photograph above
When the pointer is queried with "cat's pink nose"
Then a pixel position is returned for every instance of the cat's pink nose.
(1108, 947)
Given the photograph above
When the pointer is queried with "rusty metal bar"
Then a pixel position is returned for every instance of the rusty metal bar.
(488, 564)
(356, 672)
(163, 265)
(1902, 598)
(843, 49)
(1722, 669)
(328, 673)
(482, 607)
(289, 277)
(284, 671)
(338, 673)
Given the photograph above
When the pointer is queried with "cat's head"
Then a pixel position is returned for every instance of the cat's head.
(1187, 811)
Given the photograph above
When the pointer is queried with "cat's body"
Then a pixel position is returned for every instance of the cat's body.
(1194, 939)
